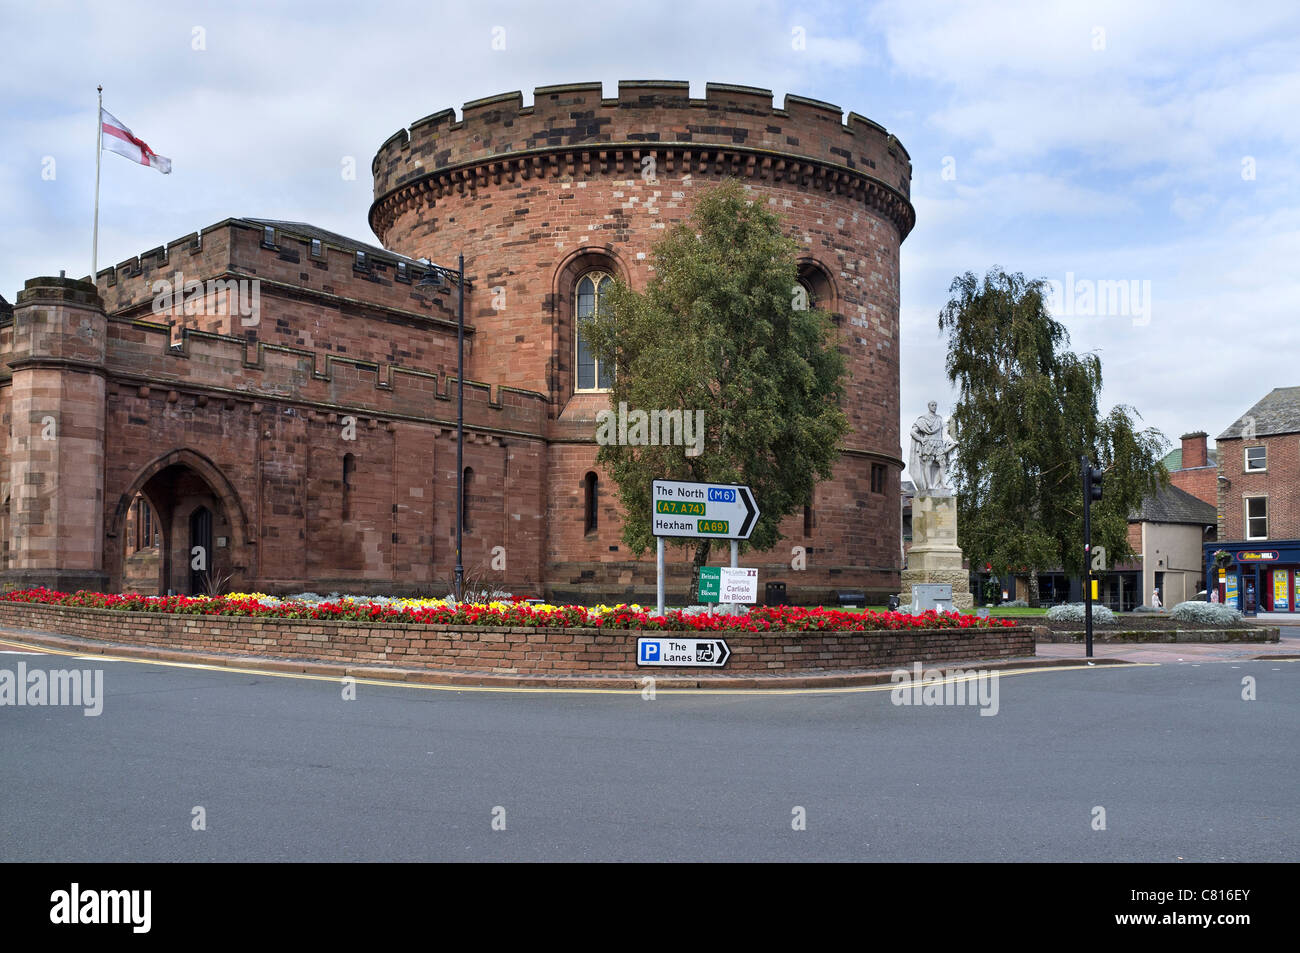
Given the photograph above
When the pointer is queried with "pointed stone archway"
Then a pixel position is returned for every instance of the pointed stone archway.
(187, 492)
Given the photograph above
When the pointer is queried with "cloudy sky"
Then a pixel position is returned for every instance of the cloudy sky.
(1144, 142)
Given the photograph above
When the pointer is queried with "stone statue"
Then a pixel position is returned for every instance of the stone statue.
(935, 558)
(932, 448)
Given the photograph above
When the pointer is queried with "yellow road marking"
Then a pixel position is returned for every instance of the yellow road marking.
(559, 690)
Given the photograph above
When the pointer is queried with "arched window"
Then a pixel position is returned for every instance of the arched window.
(813, 290)
(590, 503)
(464, 499)
(589, 297)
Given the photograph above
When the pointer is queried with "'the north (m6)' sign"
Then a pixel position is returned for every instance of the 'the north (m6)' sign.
(708, 510)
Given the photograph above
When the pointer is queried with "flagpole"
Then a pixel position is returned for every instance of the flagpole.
(99, 152)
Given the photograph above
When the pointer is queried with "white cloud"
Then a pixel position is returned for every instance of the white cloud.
(1121, 162)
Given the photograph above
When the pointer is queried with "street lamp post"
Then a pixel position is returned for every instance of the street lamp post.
(434, 277)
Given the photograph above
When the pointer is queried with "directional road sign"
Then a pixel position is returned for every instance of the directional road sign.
(694, 653)
(703, 510)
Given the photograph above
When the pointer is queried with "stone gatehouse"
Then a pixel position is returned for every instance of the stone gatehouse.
(282, 398)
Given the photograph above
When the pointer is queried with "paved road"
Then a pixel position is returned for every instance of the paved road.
(287, 770)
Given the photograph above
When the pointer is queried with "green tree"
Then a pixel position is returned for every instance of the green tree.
(1027, 412)
(718, 330)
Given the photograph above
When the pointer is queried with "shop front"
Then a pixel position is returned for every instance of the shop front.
(1255, 578)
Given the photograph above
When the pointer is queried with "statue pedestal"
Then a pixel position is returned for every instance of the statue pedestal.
(935, 556)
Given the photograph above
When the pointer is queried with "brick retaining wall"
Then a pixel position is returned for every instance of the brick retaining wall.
(545, 651)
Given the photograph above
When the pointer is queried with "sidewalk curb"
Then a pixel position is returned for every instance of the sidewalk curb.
(476, 679)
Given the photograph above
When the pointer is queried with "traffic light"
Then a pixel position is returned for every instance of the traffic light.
(1093, 477)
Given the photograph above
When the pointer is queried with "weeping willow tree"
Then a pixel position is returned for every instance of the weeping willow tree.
(1027, 411)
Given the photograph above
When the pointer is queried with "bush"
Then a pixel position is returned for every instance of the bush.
(1205, 613)
(1075, 611)
(1014, 604)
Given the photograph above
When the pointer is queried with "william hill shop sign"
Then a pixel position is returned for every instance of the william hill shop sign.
(1256, 580)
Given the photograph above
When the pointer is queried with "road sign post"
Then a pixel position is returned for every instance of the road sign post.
(659, 585)
(685, 510)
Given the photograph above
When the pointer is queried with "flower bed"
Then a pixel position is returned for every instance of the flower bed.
(501, 614)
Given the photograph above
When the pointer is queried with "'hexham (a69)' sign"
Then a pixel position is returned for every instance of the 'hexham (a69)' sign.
(703, 510)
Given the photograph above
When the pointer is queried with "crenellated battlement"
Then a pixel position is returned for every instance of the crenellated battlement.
(737, 126)
(290, 254)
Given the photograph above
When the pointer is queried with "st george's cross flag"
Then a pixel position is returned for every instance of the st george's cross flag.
(117, 138)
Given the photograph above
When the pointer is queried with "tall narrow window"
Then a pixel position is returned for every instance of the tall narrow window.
(807, 520)
(349, 473)
(1256, 517)
(590, 505)
(877, 478)
(464, 499)
(589, 298)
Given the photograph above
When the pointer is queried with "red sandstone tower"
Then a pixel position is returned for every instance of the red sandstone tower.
(577, 185)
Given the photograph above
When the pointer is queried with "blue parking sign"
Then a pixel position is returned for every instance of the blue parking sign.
(649, 651)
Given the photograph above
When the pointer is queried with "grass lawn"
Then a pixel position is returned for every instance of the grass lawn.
(993, 611)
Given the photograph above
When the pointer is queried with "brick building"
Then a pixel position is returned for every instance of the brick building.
(1194, 467)
(282, 398)
(1259, 506)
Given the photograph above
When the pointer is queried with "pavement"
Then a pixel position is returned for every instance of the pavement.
(285, 766)
(1048, 655)
(1287, 647)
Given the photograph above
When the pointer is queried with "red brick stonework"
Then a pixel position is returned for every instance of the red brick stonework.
(312, 444)
(1279, 484)
(514, 650)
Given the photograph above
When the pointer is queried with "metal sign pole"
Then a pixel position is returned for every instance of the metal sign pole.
(659, 585)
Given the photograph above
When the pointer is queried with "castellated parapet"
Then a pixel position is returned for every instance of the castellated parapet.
(733, 130)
